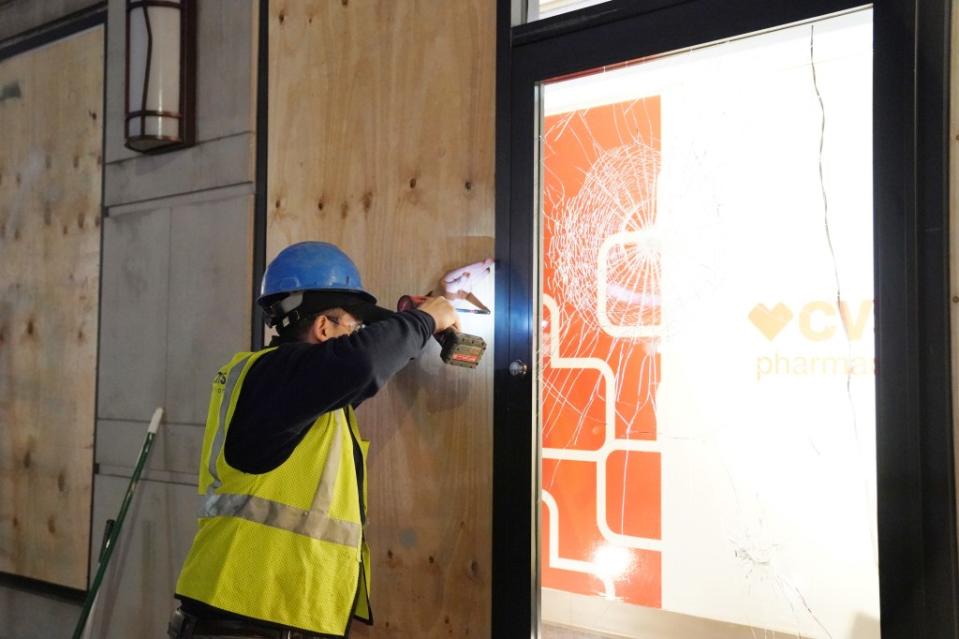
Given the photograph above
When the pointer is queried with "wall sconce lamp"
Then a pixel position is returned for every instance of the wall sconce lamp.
(160, 75)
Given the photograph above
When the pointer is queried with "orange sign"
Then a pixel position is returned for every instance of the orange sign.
(601, 474)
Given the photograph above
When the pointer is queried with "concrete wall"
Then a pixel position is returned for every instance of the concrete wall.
(176, 282)
(175, 305)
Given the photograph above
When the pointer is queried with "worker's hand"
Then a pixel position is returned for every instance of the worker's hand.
(458, 283)
(442, 313)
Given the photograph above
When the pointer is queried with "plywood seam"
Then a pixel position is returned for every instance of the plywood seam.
(155, 476)
(199, 143)
(134, 420)
(185, 197)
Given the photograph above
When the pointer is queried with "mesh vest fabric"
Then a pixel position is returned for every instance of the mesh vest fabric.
(284, 546)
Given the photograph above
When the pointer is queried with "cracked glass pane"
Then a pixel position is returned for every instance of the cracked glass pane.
(706, 353)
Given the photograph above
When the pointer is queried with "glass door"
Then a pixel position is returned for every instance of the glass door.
(722, 399)
(705, 361)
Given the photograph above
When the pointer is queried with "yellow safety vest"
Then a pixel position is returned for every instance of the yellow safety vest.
(285, 546)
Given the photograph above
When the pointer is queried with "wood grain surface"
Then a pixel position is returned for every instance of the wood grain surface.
(381, 130)
(50, 172)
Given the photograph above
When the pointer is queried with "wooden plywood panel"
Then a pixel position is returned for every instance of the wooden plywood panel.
(381, 140)
(50, 168)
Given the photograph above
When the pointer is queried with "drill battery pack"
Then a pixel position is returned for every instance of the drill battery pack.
(461, 349)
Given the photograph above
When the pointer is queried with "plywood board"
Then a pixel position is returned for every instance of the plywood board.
(381, 140)
(50, 172)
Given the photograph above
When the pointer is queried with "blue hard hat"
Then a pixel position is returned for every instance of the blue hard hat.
(311, 266)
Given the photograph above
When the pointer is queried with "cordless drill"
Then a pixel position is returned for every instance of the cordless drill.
(458, 349)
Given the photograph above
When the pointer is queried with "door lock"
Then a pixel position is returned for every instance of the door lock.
(518, 368)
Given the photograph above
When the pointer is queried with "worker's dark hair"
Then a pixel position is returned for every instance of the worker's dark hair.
(298, 330)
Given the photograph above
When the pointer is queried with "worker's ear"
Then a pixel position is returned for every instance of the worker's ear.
(320, 331)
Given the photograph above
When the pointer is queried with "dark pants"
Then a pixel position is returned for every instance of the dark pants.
(183, 625)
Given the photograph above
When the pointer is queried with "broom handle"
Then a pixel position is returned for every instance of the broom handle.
(114, 532)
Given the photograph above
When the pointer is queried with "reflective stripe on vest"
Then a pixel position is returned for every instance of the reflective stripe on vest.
(315, 523)
(312, 523)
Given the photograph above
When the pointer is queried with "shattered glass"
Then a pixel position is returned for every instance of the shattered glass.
(706, 353)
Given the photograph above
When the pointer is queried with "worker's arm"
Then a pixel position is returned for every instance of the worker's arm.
(287, 389)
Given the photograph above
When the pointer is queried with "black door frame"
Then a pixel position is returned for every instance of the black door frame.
(916, 486)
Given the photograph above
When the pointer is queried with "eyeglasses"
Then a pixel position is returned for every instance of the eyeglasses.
(352, 328)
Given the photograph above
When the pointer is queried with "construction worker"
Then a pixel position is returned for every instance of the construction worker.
(280, 549)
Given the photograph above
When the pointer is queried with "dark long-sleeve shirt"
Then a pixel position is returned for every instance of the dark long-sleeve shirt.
(286, 390)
